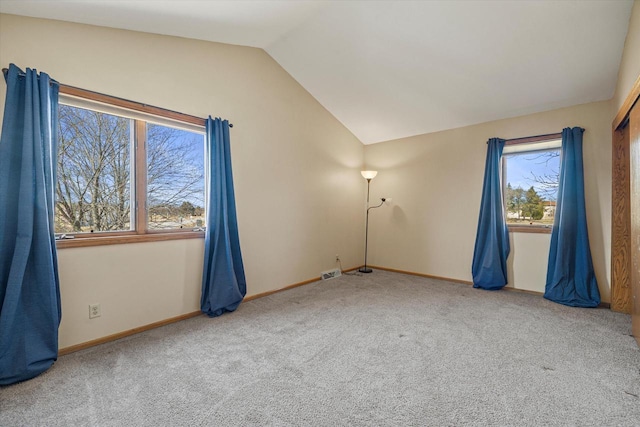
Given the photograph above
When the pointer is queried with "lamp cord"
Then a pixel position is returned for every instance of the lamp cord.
(353, 273)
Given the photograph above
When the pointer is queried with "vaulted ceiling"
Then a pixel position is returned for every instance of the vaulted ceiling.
(391, 69)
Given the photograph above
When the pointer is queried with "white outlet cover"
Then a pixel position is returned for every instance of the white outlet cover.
(94, 311)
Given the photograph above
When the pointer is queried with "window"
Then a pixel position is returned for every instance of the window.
(93, 188)
(530, 177)
(175, 178)
(123, 171)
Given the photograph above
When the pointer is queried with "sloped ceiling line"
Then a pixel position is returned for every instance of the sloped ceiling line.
(392, 69)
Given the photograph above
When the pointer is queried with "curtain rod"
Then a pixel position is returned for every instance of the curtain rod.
(534, 138)
(548, 135)
(5, 71)
(70, 89)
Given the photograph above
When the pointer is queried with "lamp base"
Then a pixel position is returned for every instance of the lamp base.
(365, 270)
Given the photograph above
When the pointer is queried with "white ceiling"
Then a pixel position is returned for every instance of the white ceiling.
(391, 69)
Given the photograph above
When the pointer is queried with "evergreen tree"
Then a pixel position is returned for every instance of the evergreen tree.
(533, 206)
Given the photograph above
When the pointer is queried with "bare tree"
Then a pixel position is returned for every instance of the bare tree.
(175, 172)
(549, 181)
(93, 187)
(93, 170)
(514, 199)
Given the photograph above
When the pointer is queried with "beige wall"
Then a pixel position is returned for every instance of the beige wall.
(135, 284)
(436, 183)
(630, 64)
(296, 168)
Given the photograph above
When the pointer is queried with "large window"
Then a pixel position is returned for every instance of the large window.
(530, 177)
(124, 172)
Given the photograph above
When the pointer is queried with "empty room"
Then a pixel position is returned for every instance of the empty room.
(320, 213)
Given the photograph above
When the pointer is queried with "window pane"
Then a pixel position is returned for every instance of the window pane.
(175, 178)
(93, 189)
(531, 187)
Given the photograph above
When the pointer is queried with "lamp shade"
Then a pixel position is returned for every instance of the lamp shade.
(369, 174)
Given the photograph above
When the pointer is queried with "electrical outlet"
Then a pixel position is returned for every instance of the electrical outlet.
(337, 257)
(94, 311)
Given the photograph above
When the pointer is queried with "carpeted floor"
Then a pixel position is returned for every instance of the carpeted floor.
(383, 349)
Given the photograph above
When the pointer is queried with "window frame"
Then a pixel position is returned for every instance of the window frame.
(139, 112)
(536, 229)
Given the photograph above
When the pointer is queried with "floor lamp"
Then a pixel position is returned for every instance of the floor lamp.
(369, 175)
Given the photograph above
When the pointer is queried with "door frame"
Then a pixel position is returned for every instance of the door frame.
(624, 227)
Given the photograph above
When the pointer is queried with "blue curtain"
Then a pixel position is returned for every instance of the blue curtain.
(570, 276)
(223, 281)
(29, 288)
(489, 267)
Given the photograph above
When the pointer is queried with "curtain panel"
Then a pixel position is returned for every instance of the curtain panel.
(223, 281)
(570, 276)
(489, 266)
(29, 287)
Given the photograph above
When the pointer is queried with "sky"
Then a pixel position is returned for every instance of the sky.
(521, 169)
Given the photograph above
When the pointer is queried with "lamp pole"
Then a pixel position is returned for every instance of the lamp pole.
(366, 234)
(368, 175)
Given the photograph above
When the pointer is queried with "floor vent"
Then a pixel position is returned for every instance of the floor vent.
(326, 275)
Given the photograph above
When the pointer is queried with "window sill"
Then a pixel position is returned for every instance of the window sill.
(81, 242)
(529, 229)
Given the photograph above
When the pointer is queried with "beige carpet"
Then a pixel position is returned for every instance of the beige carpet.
(383, 349)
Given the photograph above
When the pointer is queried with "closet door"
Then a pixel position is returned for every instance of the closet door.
(621, 299)
(625, 210)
